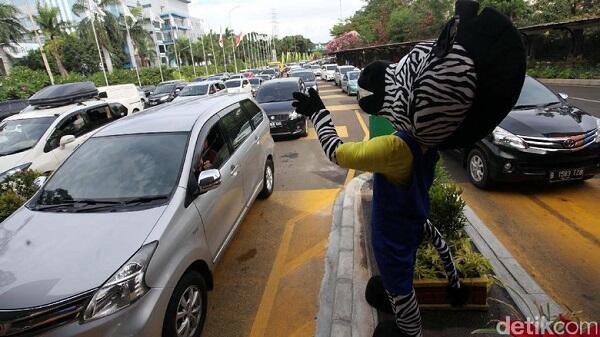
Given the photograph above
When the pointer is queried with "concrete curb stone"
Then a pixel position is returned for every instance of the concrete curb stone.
(343, 311)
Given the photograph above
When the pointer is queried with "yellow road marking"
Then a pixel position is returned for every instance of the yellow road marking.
(316, 250)
(307, 329)
(342, 107)
(363, 126)
(312, 134)
(261, 320)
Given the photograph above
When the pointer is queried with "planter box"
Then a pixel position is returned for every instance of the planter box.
(432, 294)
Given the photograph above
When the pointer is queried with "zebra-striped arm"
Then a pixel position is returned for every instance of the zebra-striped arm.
(326, 133)
(432, 235)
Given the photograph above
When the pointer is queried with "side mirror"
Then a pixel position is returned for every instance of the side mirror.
(40, 181)
(208, 180)
(64, 140)
(563, 95)
(103, 94)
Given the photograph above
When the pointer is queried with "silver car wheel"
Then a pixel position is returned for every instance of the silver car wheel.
(189, 311)
(476, 168)
(269, 178)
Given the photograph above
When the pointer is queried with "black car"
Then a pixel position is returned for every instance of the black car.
(308, 77)
(543, 138)
(165, 92)
(275, 98)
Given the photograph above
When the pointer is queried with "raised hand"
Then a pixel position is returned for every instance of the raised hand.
(309, 104)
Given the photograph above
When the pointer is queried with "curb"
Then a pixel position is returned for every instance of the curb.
(343, 310)
(521, 287)
(570, 82)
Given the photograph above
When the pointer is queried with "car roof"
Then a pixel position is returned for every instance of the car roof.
(58, 111)
(282, 80)
(172, 117)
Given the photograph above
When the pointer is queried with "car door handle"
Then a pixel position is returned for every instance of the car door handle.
(234, 170)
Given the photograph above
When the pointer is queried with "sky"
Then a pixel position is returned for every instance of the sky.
(310, 18)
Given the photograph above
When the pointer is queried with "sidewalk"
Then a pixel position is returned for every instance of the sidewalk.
(349, 264)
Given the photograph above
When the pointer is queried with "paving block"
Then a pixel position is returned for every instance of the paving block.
(345, 265)
(342, 307)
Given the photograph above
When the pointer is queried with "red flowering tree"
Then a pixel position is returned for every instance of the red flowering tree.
(345, 41)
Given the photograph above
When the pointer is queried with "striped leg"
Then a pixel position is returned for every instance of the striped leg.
(433, 235)
(408, 316)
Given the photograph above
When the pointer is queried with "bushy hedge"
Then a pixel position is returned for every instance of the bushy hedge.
(564, 70)
(23, 82)
(15, 190)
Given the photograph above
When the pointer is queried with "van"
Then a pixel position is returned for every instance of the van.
(126, 94)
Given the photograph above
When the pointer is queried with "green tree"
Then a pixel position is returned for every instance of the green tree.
(53, 30)
(11, 30)
(107, 28)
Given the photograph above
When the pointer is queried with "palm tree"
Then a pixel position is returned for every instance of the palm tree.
(47, 20)
(105, 26)
(141, 39)
(11, 30)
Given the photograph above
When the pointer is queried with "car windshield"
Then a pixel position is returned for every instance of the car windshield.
(276, 92)
(22, 134)
(194, 90)
(255, 80)
(306, 76)
(353, 75)
(117, 169)
(164, 88)
(268, 71)
(233, 84)
(344, 70)
(535, 94)
(315, 67)
(330, 67)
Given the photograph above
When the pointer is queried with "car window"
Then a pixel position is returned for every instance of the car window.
(99, 116)
(535, 93)
(276, 91)
(118, 110)
(256, 115)
(75, 125)
(233, 84)
(211, 152)
(22, 134)
(236, 126)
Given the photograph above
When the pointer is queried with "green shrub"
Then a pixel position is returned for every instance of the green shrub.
(15, 190)
(22, 82)
(446, 205)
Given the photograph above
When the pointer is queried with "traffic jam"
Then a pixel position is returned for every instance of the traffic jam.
(142, 189)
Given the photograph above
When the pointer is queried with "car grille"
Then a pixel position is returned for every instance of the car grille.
(33, 321)
(563, 143)
(279, 118)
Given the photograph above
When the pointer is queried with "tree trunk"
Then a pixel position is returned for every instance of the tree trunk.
(107, 59)
(6, 62)
(61, 68)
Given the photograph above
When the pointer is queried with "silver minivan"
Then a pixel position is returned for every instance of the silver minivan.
(123, 237)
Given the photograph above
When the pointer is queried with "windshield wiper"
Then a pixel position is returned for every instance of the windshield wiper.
(125, 203)
(74, 203)
(526, 106)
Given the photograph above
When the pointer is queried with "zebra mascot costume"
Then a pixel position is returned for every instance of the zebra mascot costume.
(442, 95)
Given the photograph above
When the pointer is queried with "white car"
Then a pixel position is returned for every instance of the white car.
(238, 86)
(328, 71)
(126, 94)
(201, 89)
(340, 72)
(42, 138)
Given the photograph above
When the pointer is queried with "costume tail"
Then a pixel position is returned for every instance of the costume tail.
(457, 293)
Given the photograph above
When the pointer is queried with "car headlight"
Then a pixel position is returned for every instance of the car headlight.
(124, 287)
(294, 115)
(505, 138)
(164, 98)
(14, 170)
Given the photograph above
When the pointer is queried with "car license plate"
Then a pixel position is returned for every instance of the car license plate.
(564, 175)
(275, 124)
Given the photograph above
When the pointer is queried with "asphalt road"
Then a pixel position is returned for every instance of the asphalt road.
(267, 283)
(585, 98)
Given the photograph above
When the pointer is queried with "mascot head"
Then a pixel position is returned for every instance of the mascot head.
(454, 91)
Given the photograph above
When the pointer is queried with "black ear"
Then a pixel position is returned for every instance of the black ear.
(372, 78)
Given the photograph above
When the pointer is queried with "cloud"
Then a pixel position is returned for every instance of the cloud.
(311, 18)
